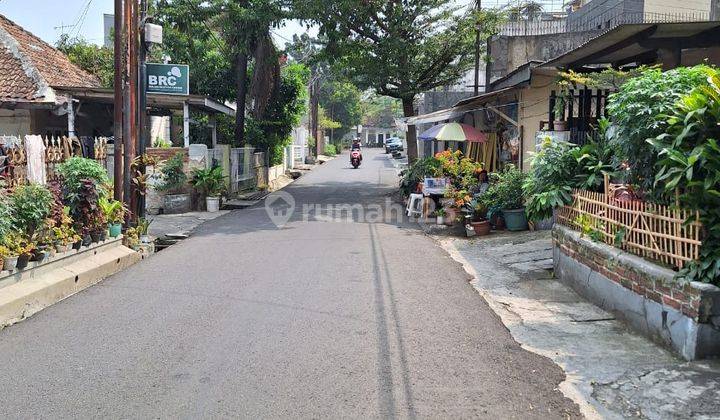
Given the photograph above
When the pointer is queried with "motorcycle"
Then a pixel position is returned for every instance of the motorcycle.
(355, 158)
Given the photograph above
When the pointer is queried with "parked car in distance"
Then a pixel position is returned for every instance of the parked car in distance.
(393, 144)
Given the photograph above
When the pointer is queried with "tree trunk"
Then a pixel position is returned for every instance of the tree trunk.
(241, 64)
(409, 111)
(314, 113)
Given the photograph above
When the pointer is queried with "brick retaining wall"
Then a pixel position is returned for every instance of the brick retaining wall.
(683, 315)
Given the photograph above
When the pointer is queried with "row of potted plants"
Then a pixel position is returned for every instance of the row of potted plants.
(37, 222)
(473, 196)
(209, 182)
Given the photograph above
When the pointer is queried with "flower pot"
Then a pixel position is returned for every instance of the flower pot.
(177, 203)
(515, 219)
(213, 204)
(87, 240)
(145, 239)
(103, 235)
(22, 261)
(9, 263)
(95, 237)
(481, 228)
(61, 248)
(39, 255)
(2, 263)
(115, 230)
(77, 245)
(560, 125)
(440, 220)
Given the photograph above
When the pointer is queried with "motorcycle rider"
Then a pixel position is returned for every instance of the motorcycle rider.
(356, 146)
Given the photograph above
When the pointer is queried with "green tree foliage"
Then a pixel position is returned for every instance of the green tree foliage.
(190, 38)
(636, 113)
(92, 58)
(340, 100)
(381, 111)
(689, 163)
(284, 110)
(399, 48)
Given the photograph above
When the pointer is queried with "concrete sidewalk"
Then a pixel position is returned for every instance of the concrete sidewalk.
(611, 371)
(180, 224)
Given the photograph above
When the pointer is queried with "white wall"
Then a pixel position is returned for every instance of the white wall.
(14, 123)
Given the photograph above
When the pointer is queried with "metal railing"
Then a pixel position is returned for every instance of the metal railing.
(604, 22)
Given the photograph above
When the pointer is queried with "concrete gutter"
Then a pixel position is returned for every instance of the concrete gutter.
(33, 290)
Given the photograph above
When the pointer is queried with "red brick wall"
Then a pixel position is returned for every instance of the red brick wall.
(167, 153)
(683, 296)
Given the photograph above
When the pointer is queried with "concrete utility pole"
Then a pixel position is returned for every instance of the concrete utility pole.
(118, 101)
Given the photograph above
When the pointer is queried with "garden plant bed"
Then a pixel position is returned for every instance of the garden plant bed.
(682, 316)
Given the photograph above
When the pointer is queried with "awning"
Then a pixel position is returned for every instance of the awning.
(628, 43)
(474, 103)
(154, 100)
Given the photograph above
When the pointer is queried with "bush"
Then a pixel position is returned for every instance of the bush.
(7, 218)
(210, 182)
(330, 150)
(30, 206)
(173, 175)
(506, 193)
(76, 169)
(636, 112)
(689, 163)
(550, 181)
(416, 173)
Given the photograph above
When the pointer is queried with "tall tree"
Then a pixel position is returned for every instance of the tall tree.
(399, 48)
(341, 101)
(89, 57)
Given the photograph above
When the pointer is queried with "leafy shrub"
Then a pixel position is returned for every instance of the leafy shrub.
(76, 170)
(506, 193)
(416, 173)
(30, 206)
(689, 162)
(330, 150)
(173, 175)
(636, 112)
(86, 214)
(209, 181)
(7, 218)
(550, 181)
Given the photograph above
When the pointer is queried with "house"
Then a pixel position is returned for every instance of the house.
(518, 109)
(42, 92)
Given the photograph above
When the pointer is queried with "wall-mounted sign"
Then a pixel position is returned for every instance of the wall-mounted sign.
(168, 79)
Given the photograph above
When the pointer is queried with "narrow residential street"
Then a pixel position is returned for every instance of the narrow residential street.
(319, 318)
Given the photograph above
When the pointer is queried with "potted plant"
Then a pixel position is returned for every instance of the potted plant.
(114, 212)
(131, 239)
(440, 216)
(143, 229)
(479, 222)
(210, 182)
(173, 183)
(25, 248)
(507, 195)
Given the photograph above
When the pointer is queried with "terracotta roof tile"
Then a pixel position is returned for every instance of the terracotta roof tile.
(52, 65)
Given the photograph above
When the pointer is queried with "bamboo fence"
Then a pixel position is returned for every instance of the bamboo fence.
(667, 234)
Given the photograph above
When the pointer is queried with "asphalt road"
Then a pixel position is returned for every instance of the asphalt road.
(329, 316)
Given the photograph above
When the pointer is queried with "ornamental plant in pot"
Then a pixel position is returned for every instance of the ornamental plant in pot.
(173, 183)
(210, 182)
(440, 216)
(14, 244)
(143, 230)
(479, 222)
(506, 193)
(563, 96)
(114, 212)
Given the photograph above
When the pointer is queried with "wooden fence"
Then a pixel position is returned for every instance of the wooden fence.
(13, 160)
(649, 230)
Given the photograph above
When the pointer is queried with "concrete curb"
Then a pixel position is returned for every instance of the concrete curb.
(29, 296)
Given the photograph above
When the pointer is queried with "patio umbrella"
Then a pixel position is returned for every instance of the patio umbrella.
(454, 132)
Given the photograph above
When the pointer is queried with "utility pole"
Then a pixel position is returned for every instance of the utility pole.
(130, 134)
(476, 87)
(142, 99)
(118, 102)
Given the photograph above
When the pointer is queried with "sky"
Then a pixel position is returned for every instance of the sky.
(48, 19)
